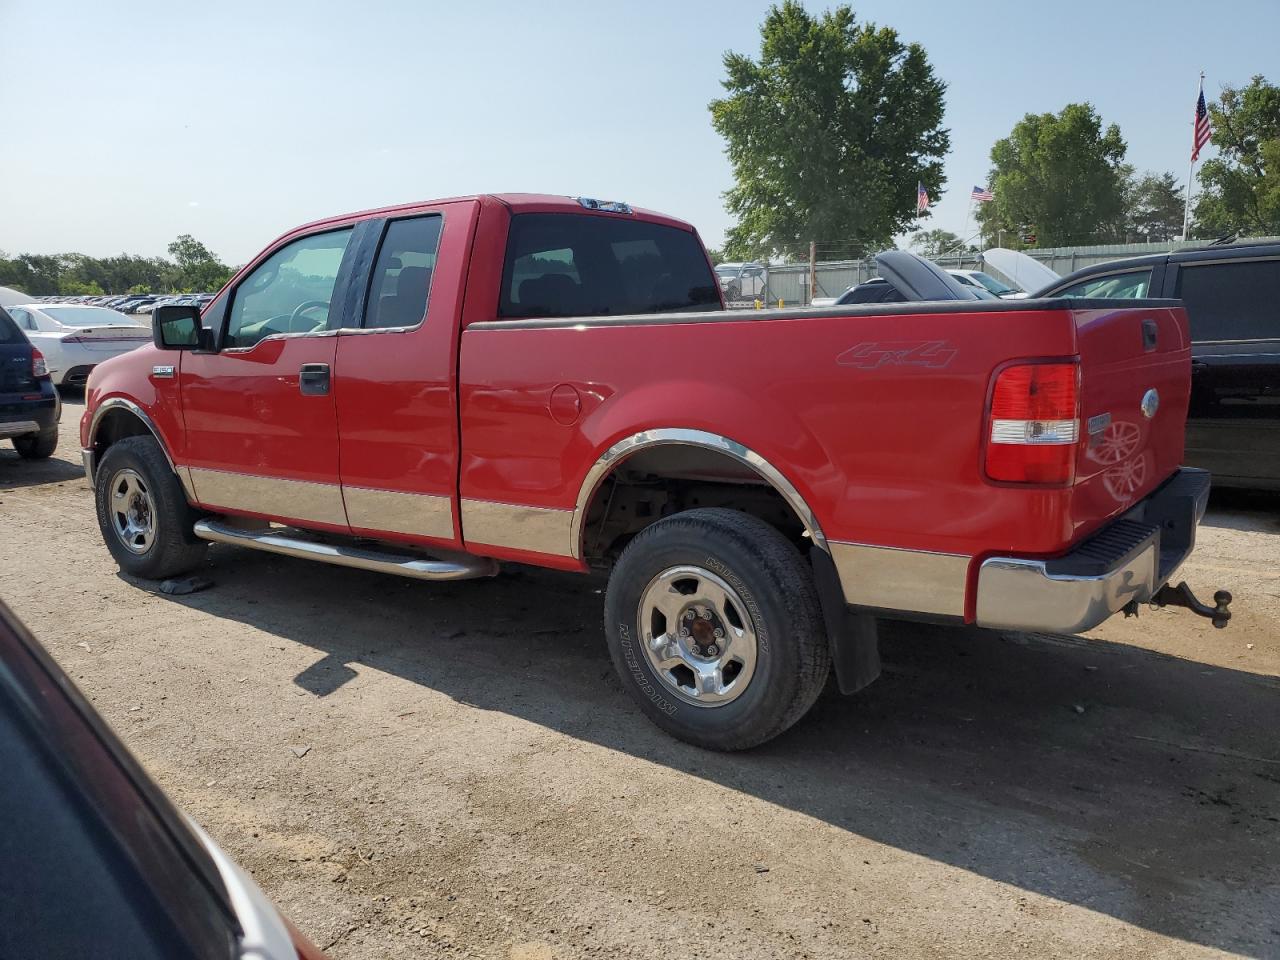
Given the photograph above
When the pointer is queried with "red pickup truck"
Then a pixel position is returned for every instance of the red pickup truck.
(433, 388)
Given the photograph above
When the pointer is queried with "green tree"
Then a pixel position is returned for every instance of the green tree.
(1154, 205)
(198, 268)
(828, 134)
(1060, 176)
(1240, 187)
(934, 243)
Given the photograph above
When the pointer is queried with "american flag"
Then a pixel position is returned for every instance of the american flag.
(1202, 127)
(922, 198)
(981, 195)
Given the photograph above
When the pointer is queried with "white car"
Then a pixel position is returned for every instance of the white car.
(984, 281)
(76, 337)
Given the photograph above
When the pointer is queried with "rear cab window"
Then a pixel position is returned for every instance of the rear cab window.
(1231, 300)
(584, 265)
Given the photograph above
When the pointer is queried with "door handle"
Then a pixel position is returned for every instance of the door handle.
(313, 380)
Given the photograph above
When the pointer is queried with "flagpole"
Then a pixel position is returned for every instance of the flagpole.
(1186, 210)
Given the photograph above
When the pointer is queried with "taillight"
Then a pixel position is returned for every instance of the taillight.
(38, 366)
(1034, 423)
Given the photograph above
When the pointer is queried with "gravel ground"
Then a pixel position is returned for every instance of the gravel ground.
(420, 770)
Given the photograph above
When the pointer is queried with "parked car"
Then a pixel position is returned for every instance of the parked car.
(880, 290)
(742, 281)
(97, 861)
(984, 281)
(431, 389)
(1231, 294)
(29, 405)
(76, 337)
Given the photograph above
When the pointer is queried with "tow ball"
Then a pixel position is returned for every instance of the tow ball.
(1181, 596)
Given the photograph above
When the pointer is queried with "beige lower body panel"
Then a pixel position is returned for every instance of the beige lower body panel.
(889, 578)
(270, 496)
(413, 514)
(518, 527)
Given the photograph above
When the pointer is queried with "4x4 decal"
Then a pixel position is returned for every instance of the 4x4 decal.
(904, 353)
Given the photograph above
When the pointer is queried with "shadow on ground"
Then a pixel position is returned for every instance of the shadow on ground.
(1134, 784)
(16, 472)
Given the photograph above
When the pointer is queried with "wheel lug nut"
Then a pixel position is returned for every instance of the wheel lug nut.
(719, 634)
(705, 614)
(712, 650)
(684, 631)
(689, 614)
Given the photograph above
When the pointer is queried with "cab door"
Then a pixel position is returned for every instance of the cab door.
(1233, 425)
(396, 386)
(261, 424)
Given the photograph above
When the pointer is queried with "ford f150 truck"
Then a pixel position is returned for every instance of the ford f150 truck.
(431, 389)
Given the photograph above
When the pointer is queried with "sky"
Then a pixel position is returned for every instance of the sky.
(128, 123)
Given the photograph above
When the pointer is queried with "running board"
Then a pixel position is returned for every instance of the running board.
(461, 566)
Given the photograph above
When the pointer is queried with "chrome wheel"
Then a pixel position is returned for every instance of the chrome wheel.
(132, 510)
(698, 636)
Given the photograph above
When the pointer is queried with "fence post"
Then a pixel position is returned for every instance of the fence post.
(813, 268)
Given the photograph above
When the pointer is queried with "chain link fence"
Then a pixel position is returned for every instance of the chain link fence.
(790, 282)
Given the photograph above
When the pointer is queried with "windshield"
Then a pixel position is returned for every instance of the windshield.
(992, 284)
(87, 316)
(726, 271)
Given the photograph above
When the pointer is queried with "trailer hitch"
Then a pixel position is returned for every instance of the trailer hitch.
(1181, 596)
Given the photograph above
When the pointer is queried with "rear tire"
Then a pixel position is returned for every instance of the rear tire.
(715, 628)
(37, 446)
(142, 512)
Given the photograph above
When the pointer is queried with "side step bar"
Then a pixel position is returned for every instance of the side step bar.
(458, 567)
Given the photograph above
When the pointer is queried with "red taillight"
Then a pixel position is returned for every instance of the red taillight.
(1034, 423)
(38, 366)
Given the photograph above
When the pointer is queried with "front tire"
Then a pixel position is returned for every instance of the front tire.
(37, 446)
(142, 512)
(715, 628)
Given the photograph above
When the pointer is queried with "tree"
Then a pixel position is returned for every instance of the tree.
(1153, 207)
(828, 134)
(1059, 176)
(1241, 186)
(932, 244)
(198, 268)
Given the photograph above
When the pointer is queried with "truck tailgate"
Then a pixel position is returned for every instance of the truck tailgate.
(1135, 381)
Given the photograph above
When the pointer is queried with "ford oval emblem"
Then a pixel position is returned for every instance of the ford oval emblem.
(1150, 403)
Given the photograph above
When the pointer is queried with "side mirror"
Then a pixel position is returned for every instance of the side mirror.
(176, 327)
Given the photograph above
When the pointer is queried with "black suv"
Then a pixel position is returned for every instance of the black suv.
(29, 405)
(1232, 297)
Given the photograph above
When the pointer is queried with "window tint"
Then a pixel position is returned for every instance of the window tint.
(402, 275)
(9, 332)
(289, 292)
(579, 265)
(1123, 286)
(1232, 301)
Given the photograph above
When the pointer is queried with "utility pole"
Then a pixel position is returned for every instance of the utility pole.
(813, 268)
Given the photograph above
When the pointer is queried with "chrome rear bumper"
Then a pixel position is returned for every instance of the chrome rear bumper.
(1127, 561)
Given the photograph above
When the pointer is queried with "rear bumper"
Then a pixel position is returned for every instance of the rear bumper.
(1126, 561)
(24, 417)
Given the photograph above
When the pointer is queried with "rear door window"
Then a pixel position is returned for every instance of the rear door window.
(1132, 285)
(401, 280)
(582, 265)
(1236, 300)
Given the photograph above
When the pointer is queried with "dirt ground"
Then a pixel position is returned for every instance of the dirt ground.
(420, 770)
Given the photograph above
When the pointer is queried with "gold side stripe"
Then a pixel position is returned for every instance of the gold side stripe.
(896, 579)
(270, 496)
(517, 527)
(415, 514)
